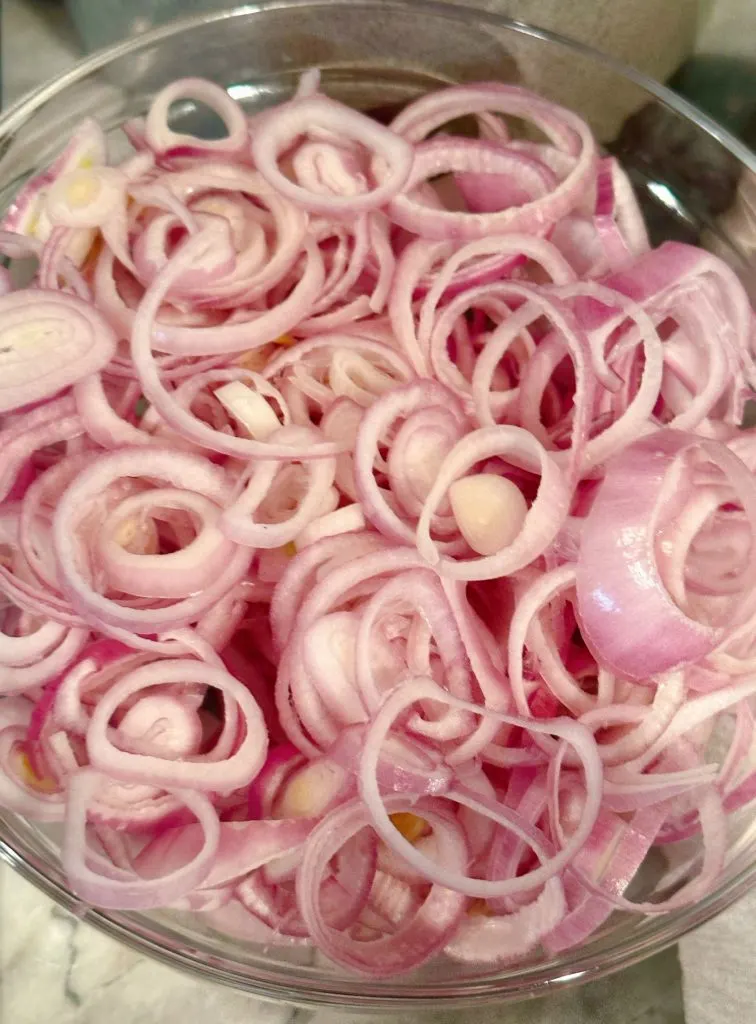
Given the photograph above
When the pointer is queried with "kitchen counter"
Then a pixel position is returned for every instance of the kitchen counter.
(55, 968)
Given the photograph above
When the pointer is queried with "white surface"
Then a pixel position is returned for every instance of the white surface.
(56, 970)
(718, 963)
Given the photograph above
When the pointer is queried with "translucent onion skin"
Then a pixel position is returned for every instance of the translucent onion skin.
(377, 549)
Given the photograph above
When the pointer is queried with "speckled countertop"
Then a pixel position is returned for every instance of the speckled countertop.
(55, 968)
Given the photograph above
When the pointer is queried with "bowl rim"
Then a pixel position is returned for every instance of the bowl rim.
(356, 992)
(18, 113)
(531, 981)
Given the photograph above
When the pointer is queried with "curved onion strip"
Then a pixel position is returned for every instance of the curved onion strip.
(541, 524)
(567, 730)
(610, 566)
(318, 113)
(173, 467)
(162, 139)
(65, 340)
(118, 889)
(223, 775)
(418, 937)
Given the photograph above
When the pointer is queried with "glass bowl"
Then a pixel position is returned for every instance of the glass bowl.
(377, 55)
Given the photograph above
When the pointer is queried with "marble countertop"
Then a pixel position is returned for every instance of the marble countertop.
(55, 968)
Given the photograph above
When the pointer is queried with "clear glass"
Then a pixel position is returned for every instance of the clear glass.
(377, 55)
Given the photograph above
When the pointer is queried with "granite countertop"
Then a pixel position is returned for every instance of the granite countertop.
(55, 968)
